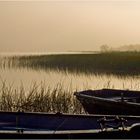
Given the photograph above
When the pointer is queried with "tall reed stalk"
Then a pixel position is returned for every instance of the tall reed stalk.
(39, 98)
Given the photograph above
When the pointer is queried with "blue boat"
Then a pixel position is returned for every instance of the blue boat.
(44, 125)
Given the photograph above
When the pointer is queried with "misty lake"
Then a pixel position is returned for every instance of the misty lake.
(17, 76)
(46, 83)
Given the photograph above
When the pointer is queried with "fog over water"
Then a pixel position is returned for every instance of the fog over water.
(64, 25)
(58, 26)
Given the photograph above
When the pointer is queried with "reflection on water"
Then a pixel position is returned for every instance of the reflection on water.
(51, 78)
(47, 90)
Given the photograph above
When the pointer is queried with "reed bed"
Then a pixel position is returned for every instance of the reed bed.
(39, 98)
(118, 63)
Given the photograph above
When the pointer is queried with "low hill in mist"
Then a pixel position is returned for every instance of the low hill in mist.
(128, 48)
(124, 48)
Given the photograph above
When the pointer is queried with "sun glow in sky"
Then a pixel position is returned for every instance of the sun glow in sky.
(63, 25)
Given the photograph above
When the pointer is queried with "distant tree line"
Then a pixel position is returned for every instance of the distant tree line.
(134, 47)
(105, 48)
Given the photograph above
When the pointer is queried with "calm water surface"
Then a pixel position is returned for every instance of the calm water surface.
(51, 78)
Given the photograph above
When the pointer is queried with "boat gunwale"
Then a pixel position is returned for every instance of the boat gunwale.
(68, 115)
(107, 100)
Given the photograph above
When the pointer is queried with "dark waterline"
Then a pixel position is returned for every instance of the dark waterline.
(117, 63)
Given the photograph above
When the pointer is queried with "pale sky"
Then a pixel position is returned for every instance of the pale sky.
(64, 25)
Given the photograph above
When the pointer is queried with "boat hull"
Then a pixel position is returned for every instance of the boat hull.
(95, 106)
(39, 125)
(54, 122)
(98, 105)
